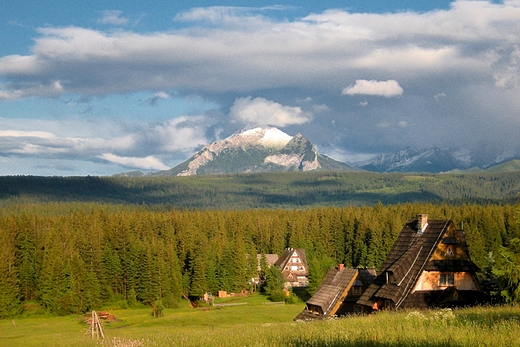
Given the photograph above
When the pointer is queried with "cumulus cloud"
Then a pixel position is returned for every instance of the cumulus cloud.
(388, 89)
(262, 112)
(180, 134)
(146, 163)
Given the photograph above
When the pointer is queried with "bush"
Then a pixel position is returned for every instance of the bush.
(157, 308)
(277, 295)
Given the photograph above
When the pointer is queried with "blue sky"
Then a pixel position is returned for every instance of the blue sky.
(101, 87)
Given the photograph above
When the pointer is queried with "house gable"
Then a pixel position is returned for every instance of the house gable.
(449, 265)
(450, 246)
(293, 264)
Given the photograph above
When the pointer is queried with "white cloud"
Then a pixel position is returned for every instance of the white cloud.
(387, 89)
(113, 17)
(158, 96)
(51, 90)
(439, 97)
(22, 133)
(262, 112)
(255, 52)
(180, 134)
(89, 139)
(146, 163)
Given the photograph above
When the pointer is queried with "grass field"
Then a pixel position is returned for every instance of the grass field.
(257, 324)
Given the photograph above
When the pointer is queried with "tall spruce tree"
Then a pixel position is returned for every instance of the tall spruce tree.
(10, 298)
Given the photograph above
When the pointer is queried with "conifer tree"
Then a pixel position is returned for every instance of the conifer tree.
(508, 272)
(10, 298)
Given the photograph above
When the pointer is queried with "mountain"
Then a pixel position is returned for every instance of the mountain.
(436, 160)
(256, 150)
(411, 160)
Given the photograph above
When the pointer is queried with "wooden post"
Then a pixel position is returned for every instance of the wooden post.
(95, 326)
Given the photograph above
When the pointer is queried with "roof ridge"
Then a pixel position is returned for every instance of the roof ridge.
(407, 289)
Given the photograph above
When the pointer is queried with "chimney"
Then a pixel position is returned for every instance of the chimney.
(422, 222)
(340, 267)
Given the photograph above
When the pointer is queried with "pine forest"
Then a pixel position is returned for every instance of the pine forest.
(74, 257)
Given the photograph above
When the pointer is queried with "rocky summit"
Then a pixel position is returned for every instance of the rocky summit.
(256, 150)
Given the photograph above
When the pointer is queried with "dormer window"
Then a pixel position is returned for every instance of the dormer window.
(390, 277)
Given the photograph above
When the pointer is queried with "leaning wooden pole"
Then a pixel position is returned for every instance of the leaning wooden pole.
(95, 326)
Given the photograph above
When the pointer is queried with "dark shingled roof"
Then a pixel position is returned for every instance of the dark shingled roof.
(330, 290)
(407, 259)
(333, 288)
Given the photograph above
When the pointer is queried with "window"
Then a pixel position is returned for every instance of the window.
(356, 290)
(449, 252)
(446, 280)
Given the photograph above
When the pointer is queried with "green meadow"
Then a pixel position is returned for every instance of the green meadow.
(258, 323)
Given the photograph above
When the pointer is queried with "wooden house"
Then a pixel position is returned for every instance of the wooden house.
(428, 266)
(293, 264)
(338, 293)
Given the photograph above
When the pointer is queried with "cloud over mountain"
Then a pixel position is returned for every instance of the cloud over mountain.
(387, 89)
(262, 112)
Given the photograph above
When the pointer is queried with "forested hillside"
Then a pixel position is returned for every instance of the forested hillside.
(267, 190)
(73, 257)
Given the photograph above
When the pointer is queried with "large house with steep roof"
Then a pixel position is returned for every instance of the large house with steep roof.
(293, 264)
(428, 266)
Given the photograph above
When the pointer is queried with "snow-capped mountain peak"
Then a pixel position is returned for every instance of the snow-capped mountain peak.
(267, 137)
(256, 150)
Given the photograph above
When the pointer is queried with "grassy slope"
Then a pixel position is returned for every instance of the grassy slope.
(263, 325)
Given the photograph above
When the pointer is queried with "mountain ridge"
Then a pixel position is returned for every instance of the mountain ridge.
(256, 150)
(436, 160)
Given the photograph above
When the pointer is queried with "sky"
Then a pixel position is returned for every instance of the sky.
(103, 87)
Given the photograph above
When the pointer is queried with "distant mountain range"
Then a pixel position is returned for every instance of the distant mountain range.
(256, 150)
(271, 150)
(436, 160)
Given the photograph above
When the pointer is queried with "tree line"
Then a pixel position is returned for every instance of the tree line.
(267, 190)
(85, 256)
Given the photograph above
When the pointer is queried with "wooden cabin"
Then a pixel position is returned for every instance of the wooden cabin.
(338, 293)
(428, 266)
